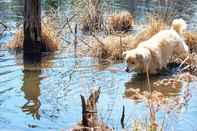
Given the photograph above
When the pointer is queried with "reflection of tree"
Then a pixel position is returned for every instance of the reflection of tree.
(31, 81)
(31, 90)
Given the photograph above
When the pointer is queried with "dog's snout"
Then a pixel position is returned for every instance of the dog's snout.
(127, 69)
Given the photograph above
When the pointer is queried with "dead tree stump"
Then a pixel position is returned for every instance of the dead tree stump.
(32, 27)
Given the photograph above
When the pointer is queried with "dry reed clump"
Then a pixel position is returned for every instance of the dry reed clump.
(191, 40)
(186, 63)
(122, 21)
(92, 18)
(17, 40)
(111, 47)
(50, 41)
(154, 26)
(189, 64)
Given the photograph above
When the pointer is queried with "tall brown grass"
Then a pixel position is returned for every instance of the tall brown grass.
(153, 27)
(50, 41)
(122, 21)
(113, 46)
(92, 18)
(191, 40)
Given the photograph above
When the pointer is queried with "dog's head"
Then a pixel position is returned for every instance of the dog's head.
(137, 59)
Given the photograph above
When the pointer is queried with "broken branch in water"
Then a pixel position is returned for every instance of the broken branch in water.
(75, 40)
(89, 117)
(5, 28)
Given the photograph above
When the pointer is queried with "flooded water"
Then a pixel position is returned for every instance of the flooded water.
(46, 95)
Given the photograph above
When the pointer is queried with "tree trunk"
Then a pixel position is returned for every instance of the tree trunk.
(32, 27)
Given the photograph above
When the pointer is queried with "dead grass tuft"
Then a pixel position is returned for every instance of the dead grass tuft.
(122, 21)
(154, 26)
(50, 40)
(111, 47)
(17, 40)
(92, 20)
(191, 40)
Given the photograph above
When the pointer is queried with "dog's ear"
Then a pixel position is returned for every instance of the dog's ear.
(139, 57)
(143, 57)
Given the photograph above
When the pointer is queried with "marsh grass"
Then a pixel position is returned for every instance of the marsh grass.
(191, 40)
(50, 41)
(92, 17)
(121, 21)
(154, 26)
(113, 46)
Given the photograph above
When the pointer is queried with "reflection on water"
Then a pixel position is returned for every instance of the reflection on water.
(31, 83)
(140, 82)
(31, 89)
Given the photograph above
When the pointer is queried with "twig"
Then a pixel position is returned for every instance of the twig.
(66, 41)
(85, 43)
(148, 79)
(123, 117)
(103, 45)
(185, 68)
(84, 119)
(183, 62)
(66, 23)
(5, 26)
(75, 40)
(69, 26)
(121, 48)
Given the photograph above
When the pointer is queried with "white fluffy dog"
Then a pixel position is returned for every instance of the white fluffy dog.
(154, 54)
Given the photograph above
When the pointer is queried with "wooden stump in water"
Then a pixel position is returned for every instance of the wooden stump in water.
(90, 120)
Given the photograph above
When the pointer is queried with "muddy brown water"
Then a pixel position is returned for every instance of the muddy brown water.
(46, 95)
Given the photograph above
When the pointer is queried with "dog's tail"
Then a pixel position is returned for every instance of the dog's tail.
(179, 25)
